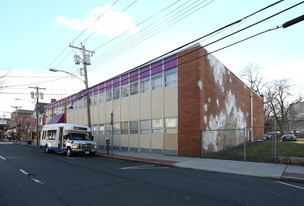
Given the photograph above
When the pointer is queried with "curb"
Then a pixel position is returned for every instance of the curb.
(139, 159)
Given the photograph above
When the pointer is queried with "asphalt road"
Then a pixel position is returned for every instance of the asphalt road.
(31, 177)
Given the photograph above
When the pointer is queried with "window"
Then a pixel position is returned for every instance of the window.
(134, 127)
(157, 125)
(109, 95)
(108, 128)
(51, 135)
(171, 78)
(116, 128)
(157, 81)
(171, 125)
(145, 126)
(80, 104)
(102, 129)
(125, 91)
(44, 135)
(134, 88)
(144, 85)
(116, 93)
(95, 130)
(101, 97)
(124, 128)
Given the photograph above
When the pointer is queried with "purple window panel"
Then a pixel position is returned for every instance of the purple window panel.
(116, 82)
(91, 91)
(101, 88)
(171, 62)
(156, 67)
(144, 72)
(96, 90)
(134, 76)
(124, 79)
(109, 85)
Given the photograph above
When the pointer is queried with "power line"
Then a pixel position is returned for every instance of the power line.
(21, 93)
(293, 21)
(109, 21)
(220, 29)
(95, 21)
(18, 85)
(77, 38)
(157, 13)
(128, 43)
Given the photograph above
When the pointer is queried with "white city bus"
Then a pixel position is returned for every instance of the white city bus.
(67, 138)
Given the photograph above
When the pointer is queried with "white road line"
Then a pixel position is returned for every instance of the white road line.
(2, 157)
(24, 172)
(37, 181)
(302, 188)
(31, 176)
(142, 167)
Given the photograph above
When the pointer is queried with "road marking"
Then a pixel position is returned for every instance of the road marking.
(2, 157)
(31, 177)
(6, 143)
(142, 167)
(302, 188)
(24, 172)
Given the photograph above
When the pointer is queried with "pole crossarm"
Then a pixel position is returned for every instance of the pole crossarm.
(75, 47)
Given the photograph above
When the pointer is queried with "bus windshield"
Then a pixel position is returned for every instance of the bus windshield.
(77, 136)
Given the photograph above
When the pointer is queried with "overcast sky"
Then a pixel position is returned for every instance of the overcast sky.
(35, 36)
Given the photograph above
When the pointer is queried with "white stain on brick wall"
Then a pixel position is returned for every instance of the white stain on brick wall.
(206, 107)
(218, 69)
(230, 117)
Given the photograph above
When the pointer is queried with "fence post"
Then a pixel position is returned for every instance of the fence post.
(202, 145)
(244, 140)
(275, 141)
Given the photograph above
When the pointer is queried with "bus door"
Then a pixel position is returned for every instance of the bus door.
(60, 140)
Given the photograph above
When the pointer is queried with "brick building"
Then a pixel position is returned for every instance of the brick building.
(164, 105)
(22, 123)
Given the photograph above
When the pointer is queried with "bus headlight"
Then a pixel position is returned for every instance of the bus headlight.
(95, 146)
(74, 146)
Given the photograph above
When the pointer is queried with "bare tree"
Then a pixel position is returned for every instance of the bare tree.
(253, 78)
(280, 100)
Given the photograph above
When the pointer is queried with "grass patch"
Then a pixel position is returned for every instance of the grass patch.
(262, 151)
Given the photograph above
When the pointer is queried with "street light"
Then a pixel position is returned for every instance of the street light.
(73, 75)
(86, 89)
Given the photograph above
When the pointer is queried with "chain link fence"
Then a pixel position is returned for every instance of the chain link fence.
(248, 144)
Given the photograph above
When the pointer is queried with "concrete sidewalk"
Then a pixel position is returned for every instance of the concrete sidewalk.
(257, 169)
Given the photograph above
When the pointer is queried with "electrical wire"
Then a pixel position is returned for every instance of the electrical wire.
(36, 83)
(157, 13)
(128, 43)
(222, 28)
(92, 89)
(78, 37)
(109, 21)
(28, 94)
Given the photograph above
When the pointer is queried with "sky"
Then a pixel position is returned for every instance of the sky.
(35, 36)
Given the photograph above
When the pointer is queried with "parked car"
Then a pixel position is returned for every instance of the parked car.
(288, 137)
(267, 136)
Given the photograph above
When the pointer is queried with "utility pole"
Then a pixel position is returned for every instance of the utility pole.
(37, 110)
(16, 119)
(85, 62)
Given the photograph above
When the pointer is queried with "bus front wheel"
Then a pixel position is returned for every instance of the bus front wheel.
(69, 152)
(47, 149)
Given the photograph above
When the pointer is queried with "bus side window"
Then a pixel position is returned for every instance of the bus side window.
(51, 135)
(43, 134)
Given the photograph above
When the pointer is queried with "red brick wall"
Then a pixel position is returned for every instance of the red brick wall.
(189, 141)
(223, 101)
